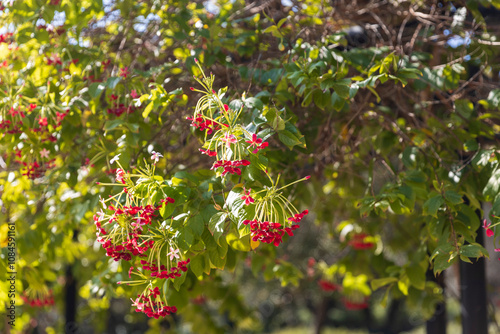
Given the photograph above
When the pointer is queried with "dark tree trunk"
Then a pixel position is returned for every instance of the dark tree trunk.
(321, 312)
(71, 327)
(437, 324)
(473, 294)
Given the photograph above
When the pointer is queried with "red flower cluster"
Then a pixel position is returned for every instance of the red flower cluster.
(208, 152)
(162, 272)
(146, 213)
(129, 248)
(38, 301)
(230, 166)
(10, 127)
(34, 170)
(54, 59)
(119, 108)
(358, 242)
(354, 305)
(201, 124)
(60, 116)
(152, 306)
(327, 286)
(4, 38)
(268, 232)
(137, 217)
(298, 217)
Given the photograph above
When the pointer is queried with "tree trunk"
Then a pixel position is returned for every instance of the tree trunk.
(473, 294)
(437, 324)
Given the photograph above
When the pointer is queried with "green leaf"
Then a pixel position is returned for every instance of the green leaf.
(95, 89)
(167, 209)
(216, 225)
(443, 257)
(492, 187)
(482, 158)
(110, 125)
(216, 260)
(404, 285)
(321, 99)
(464, 108)
(409, 157)
(342, 88)
(291, 137)
(197, 265)
(453, 197)
(416, 275)
(148, 109)
(288, 138)
(179, 280)
(473, 250)
(380, 282)
(337, 102)
(253, 102)
(112, 82)
(240, 244)
(471, 145)
(196, 225)
(432, 205)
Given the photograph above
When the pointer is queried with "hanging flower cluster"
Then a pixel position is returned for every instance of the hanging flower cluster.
(130, 228)
(38, 298)
(361, 241)
(133, 225)
(230, 143)
(151, 304)
(226, 138)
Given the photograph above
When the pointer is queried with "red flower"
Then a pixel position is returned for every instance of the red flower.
(269, 232)
(201, 124)
(43, 121)
(120, 174)
(355, 305)
(257, 143)
(54, 59)
(246, 197)
(327, 286)
(358, 242)
(39, 300)
(208, 152)
(489, 231)
(298, 217)
(124, 72)
(230, 166)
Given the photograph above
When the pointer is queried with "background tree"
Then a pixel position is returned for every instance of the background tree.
(392, 107)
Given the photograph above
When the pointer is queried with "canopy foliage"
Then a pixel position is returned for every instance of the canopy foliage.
(390, 106)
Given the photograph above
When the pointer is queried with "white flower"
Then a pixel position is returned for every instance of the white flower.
(115, 158)
(155, 156)
(44, 153)
(102, 202)
(100, 214)
(174, 253)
